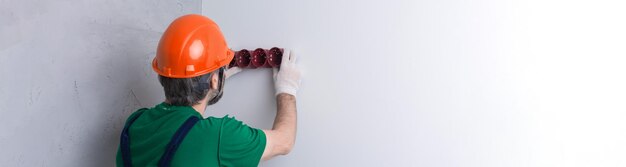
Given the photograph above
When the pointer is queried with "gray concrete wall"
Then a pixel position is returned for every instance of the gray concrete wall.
(72, 71)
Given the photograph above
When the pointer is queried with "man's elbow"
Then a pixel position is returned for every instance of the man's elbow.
(285, 147)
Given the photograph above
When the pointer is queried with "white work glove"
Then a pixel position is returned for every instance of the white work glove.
(287, 78)
(232, 71)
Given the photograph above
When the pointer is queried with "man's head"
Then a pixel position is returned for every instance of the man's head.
(190, 61)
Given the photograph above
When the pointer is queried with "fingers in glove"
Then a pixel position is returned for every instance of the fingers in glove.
(292, 58)
(286, 57)
(232, 71)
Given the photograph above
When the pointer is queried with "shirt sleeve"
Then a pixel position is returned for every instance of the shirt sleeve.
(239, 144)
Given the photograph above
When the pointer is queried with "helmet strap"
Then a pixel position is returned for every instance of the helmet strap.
(220, 87)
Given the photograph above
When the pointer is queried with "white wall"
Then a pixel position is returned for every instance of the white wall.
(439, 83)
(72, 71)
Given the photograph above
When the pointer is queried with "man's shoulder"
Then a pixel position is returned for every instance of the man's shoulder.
(229, 126)
(219, 121)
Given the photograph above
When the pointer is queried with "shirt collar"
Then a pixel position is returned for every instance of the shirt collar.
(168, 107)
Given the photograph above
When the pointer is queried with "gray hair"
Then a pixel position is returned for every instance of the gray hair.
(186, 91)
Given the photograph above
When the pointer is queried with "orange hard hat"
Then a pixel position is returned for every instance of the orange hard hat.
(192, 45)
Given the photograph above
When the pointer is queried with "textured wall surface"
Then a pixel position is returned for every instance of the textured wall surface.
(72, 71)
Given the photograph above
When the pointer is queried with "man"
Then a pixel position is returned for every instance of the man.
(191, 60)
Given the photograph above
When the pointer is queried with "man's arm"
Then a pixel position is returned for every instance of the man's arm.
(281, 138)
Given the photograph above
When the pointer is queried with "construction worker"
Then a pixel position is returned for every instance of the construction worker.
(191, 63)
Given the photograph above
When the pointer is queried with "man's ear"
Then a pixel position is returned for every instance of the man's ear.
(214, 80)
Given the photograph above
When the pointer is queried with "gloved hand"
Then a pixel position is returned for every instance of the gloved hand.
(287, 78)
(232, 71)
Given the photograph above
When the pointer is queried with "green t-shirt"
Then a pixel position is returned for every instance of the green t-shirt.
(211, 142)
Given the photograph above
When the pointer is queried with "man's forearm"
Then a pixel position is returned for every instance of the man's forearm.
(285, 121)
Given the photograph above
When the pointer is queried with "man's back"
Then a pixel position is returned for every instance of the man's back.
(210, 142)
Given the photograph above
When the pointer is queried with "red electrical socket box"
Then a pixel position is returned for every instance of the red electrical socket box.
(242, 58)
(275, 57)
(259, 58)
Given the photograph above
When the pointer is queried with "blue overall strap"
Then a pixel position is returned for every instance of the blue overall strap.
(125, 140)
(178, 137)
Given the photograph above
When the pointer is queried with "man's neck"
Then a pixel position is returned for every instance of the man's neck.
(200, 107)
